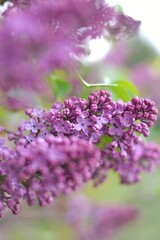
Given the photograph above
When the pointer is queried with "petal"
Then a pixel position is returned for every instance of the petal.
(112, 131)
(78, 127)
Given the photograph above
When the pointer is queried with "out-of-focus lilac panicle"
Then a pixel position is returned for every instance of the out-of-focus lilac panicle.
(122, 26)
(45, 35)
(95, 221)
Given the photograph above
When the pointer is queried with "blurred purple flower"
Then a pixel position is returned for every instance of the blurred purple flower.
(122, 26)
(46, 35)
(95, 221)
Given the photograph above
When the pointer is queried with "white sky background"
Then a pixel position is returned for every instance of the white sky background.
(147, 11)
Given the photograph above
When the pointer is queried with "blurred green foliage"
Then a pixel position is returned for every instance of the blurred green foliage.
(59, 84)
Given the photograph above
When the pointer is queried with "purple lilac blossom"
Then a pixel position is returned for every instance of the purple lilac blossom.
(97, 118)
(121, 26)
(11, 190)
(44, 169)
(95, 221)
(45, 35)
(44, 165)
(52, 167)
(143, 158)
(122, 122)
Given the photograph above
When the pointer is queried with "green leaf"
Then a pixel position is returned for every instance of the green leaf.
(104, 141)
(125, 90)
(119, 8)
(59, 84)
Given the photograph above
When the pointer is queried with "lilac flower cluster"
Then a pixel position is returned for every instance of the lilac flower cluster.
(143, 158)
(52, 166)
(94, 120)
(46, 35)
(44, 169)
(97, 221)
(55, 150)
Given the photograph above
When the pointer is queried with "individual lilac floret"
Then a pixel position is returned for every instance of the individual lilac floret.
(95, 221)
(36, 126)
(53, 166)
